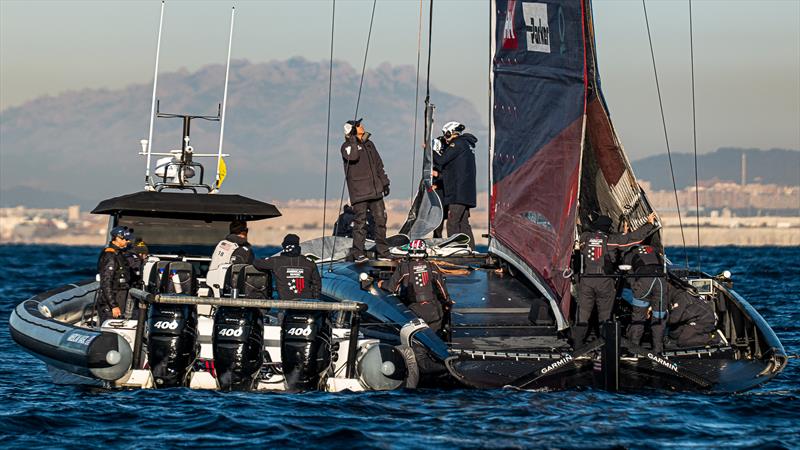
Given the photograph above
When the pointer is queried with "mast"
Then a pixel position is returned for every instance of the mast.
(224, 104)
(148, 185)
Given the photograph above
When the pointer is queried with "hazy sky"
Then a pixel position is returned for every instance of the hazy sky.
(747, 54)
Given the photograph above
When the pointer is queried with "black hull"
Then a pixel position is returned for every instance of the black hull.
(496, 339)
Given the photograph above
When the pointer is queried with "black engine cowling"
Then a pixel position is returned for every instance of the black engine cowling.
(305, 348)
(172, 343)
(238, 344)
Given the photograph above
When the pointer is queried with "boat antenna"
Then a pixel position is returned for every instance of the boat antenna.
(328, 132)
(148, 185)
(666, 135)
(224, 102)
(355, 117)
(416, 106)
(694, 141)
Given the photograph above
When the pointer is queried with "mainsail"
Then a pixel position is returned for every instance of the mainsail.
(556, 159)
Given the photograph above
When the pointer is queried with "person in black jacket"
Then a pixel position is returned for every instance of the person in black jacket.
(597, 287)
(136, 257)
(295, 275)
(234, 249)
(692, 318)
(115, 276)
(456, 169)
(367, 184)
(649, 296)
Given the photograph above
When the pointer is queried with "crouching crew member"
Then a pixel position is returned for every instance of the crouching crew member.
(295, 275)
(649, 296)
(234, 249)
(597, 286)
(422, 284)
(692, 319)
(367, 185)
(112, 266)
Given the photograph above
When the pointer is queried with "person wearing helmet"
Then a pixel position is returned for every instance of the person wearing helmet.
(597, 286)
(421, 285)
(455, 167)
(295, 275)
(136, 256)
(367, 185)
(114, 273)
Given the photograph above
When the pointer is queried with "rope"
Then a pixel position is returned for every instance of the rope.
(694, 141)
(428, 77)
(328, 132)
(666, 135)
(416, 106)
(355, 117)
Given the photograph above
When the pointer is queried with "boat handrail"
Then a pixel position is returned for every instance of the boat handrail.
(306, 305)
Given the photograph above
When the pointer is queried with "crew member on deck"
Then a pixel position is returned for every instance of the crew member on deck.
(112, 266)
(367, 185)
(597, 287)
(649, 296)
(457, 171)
(137, 256)
(295, 275)
(234, 249)
(422, 284)
(692, 318)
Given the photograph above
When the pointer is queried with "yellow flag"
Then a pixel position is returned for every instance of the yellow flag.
(223, 170)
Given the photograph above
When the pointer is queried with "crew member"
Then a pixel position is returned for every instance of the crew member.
(295, 275)
(457, 171)
(649, 296)
(692, 318)
(344, 224)
(597, 287)
(112, 266)
(234, 249)
(422, 285)
(367, 185)
(438, 184)
(137, 256)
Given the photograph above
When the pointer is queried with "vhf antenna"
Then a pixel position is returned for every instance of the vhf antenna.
(224, 103)
(147, 145)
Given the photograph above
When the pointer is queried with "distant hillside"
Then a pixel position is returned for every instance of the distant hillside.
(85, 143)
(775, 166)
(37, 198)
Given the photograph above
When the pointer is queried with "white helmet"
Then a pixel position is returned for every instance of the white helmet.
(452, 127)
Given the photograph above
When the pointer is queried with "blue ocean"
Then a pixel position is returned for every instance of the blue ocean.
(36, 413)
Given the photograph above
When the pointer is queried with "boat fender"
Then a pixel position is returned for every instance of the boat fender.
(382, 367)
(412, 378)
(410, 329)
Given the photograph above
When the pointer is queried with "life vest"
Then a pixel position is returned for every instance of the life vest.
(122, 276)
(223, 253)
(645, 259)
(594, 252)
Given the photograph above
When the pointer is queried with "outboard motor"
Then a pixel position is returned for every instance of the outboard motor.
(172, 329)
(238, 339)
(305, 348)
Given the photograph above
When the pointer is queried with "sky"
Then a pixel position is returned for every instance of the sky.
(747, 55)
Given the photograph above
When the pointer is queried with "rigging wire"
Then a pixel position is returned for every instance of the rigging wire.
(355, 117)
(416, 105)
(428, 76)
(666, 135)
(694, 141)
(328, 131)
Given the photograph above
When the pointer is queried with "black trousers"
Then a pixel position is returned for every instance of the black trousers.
(437, 233)
(650, 290)
(430, 311)
(458, 222)
(593, 292)
(360, 227)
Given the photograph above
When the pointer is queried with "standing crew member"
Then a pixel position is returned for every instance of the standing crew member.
(438, 182)
(367, 184)
(137, 256)
(234, 249)
(295, 275)
(457, 171)
(421, 282)
(112, 266)
(649, 297)
(597, 286)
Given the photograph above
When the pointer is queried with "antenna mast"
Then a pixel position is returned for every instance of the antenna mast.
(147, 145)
(224, 102)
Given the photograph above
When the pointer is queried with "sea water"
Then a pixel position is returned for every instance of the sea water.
(37, 413)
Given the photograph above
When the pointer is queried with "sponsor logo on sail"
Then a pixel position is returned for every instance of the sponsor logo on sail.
(560, 363)
(537, 29)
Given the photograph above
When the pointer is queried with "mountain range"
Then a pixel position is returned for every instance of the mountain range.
(81, 147)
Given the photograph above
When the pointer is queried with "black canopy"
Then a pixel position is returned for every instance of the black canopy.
(175, 205)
